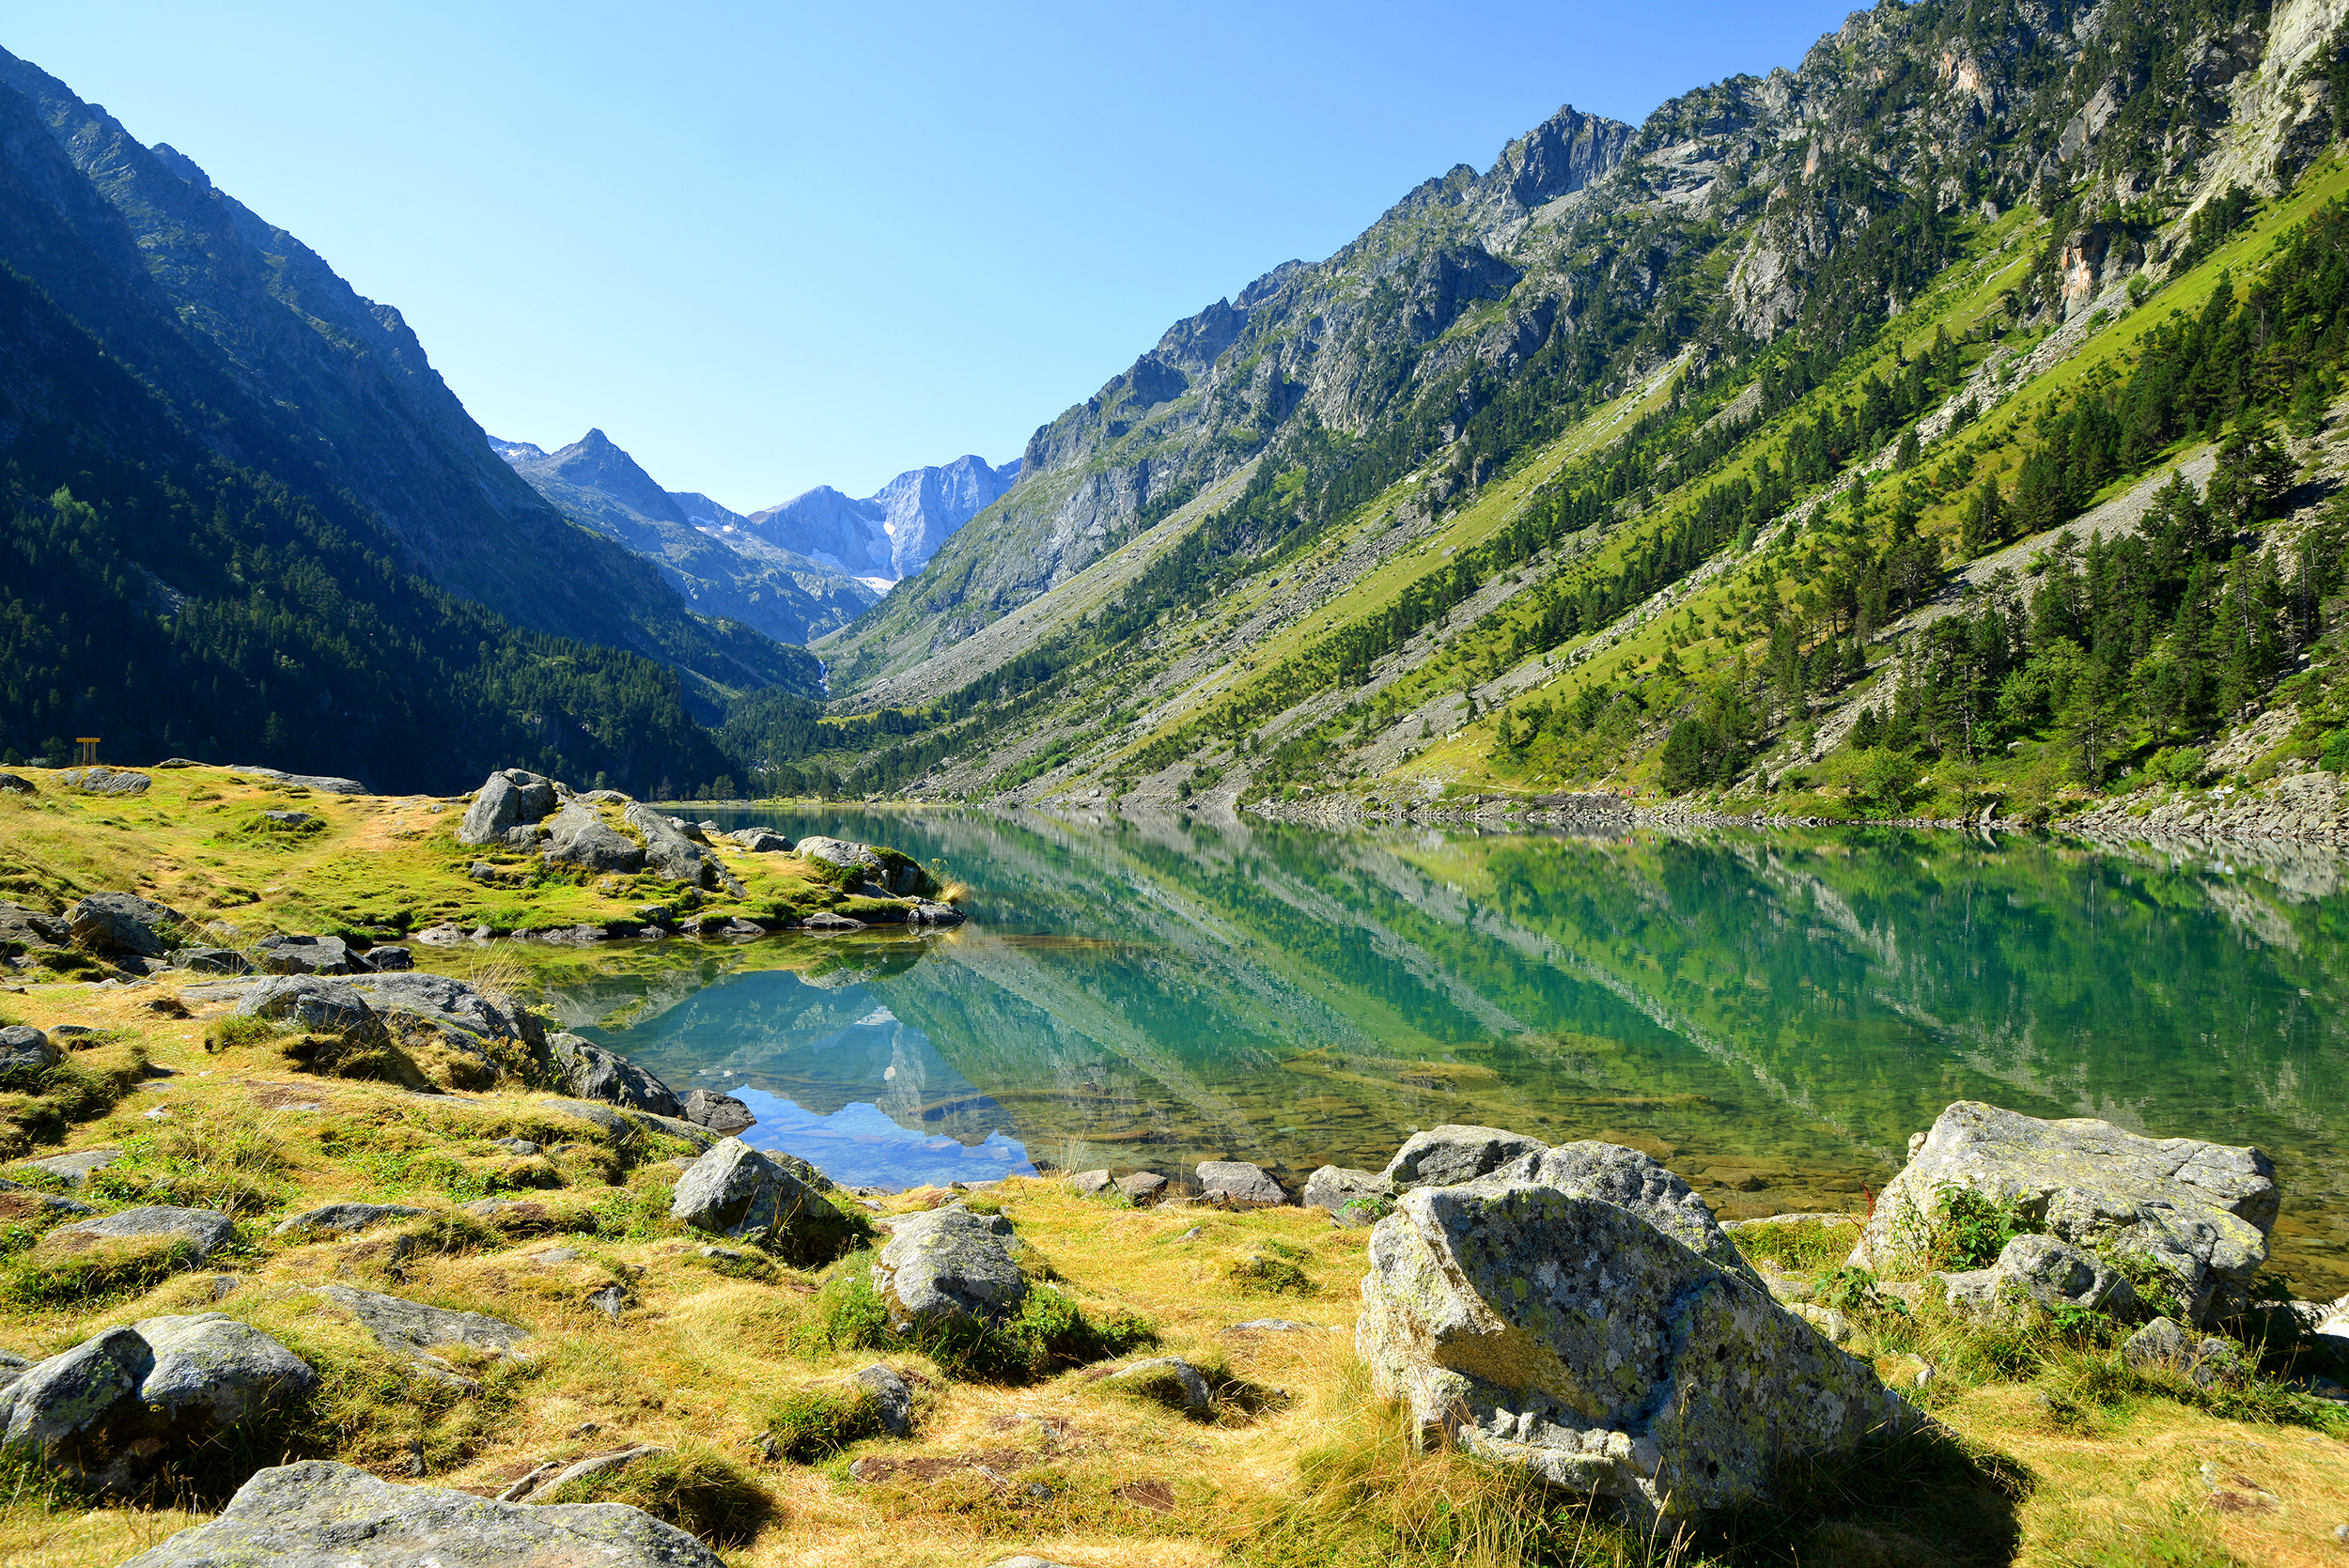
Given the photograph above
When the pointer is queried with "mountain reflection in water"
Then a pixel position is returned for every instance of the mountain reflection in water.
(1773, 1015)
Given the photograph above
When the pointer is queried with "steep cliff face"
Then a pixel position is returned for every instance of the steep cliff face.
(1813, 199)
(893, 533)
(225, 314)
(717, 564)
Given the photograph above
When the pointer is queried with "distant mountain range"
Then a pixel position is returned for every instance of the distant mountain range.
(796, 570)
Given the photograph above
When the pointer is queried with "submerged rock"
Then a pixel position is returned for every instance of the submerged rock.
(322, 1514)
(1557, 1330)
(2199, 1211)
(950, 1264)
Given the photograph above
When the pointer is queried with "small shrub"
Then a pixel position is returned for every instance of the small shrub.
(1265, 1274)
(809, 1425)
(1368, 1211)
(697, 1489)
(1845, 1289)
(1972, 1228)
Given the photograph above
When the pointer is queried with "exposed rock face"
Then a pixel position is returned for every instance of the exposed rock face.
(1633, 1182)
(343, 1218)
(670, 853)
(202, 1230)
(2200, 1211)
(412, 1327)
(325, 784)
(117, 1405)
(1556, 1330)
(950, 1264)
(322, 1514)
(507, 800)
(577, 836)
(1442, 1155)
(838, 851)
(124, 922)
(1237, 1183)
(104, 780)
(593, 1073)
(734, 1190)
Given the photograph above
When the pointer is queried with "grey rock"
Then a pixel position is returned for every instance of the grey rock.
(925, 912)
(1141, 1186)
(202, 1229)
(837, 851)
(343, 1218)
(1442, 1155)
(105, 780)
(76, 1167)
(2055, 1274)
(2162, 1345)
(735, 1191)
(1239, 1184)
(825, 921)
(390, 959)
(950, 1264)
(322, 1514)
(514, 1145)
(505, 800)
(288, 818)
(116, 1405)
(1632, 1181)
(17, 1200)
(1353, 1197)
(313, 1003)
(1556, 1330)
(1090, 1182)
(212, 960)
(1276, 1326)
(124, 922)
(325, 783)
(594, 1464)
(892, 1402)
(16, 784)
(576, 835)
(1173, 1381)
(1025, 1561)
(2199, 1211)
(593, 1073)
(411, 1328)
(307, 954)
(25, 1051)
(611, 1300)
(669, 854)
(758, 841)
(720, 1113)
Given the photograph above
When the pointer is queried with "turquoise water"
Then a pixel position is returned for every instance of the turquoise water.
(1772, 1015)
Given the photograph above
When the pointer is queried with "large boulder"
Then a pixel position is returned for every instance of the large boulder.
(950, 1266)
(323, 1514)
(1239, 1184)
(720, 1113)
(1352, 1197)
(593, 1073)
(2199, 1211)
(311, 1001)
(115, 1406)
(2040, 1271)
(201, 1231)
(670, 853)
(576, 835)
(124, 922)
(735, 1191)
(507, 800)
(1632, 1181)
(307, 954)
(839, 852)
(1556, 1330)
(1442, 1155)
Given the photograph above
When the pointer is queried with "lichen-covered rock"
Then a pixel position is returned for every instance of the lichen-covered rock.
(576, 835)
(593, 1073)
(1352, 1197)
(1091, 1182)
(1239, 1183)
(1631, 1180)
(322, 1514)
(506, 799)
(950, 1264)
(1172, 1381)
(1553, 1330)
(734, 1190)
(343, 1218)
(670, 853)
(2199, 1211)
(2161, 1346)
(893, 1401)
(25, 1052)
(720, 1113)
(1442, 1155)
(411, 1328)
(306, 955)
(124, 922)
(201, 1230)
(115, 1407)
(2055, 1275)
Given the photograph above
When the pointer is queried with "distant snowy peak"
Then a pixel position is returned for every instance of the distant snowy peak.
(893, 533)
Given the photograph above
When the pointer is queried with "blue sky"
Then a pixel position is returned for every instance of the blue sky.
(766, 247)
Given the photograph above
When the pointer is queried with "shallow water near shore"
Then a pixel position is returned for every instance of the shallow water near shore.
(1772, 1014)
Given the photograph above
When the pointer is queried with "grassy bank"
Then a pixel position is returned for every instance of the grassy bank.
(2048, 1451)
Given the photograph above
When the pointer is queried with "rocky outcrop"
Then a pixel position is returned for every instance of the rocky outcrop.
(670, 852)
(507, 800)
(105, 780)
(950, 1266)
(734, 1190)
(2199, 1212)
(2038, 1271)
(324, 782)
(576, 835)
(412, 1329)
(1445, 1154)
(1559, 1331)
(593, 1073)
(116, 1405)
(304, 954)
(322, 1514)
(125, 922)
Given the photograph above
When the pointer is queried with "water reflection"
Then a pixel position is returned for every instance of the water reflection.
(1773, 1015)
